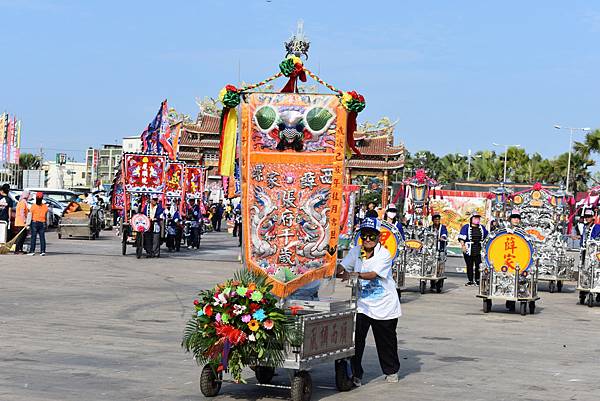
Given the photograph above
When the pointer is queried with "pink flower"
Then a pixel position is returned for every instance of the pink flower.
(246, 318)
(268, 324)
(218, 317)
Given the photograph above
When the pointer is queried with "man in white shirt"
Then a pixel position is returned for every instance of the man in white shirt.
(378, 303)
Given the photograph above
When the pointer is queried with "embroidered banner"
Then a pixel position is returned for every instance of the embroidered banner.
(194, 182)
(174, 179)
(292, 173)
(144, 173)
(118, 197)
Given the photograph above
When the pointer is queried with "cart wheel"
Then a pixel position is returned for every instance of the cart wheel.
(264, 374)
(343, 376)
(559, 286)
(59, 235)
(487, 305)
(531, 307)
(582, 296)
(597, 297)
(523, 308)
(511, 305)
(301, 388)
(422, 286)
(551, 287)
(210, 385)
(124, 248)
(438, 286)
(590, 300)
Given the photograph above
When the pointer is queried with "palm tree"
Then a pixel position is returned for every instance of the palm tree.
(28, 161)
(452, 167)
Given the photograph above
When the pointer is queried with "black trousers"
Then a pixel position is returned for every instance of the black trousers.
(386, 343)
(178, 235)
(473, 261)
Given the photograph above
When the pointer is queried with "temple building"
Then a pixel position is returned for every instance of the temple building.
(379, 162)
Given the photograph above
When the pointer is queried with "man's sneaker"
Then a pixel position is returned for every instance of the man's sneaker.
(356, 381)
(31, 254)
(43, 254)
(392, 378)
(468, 283)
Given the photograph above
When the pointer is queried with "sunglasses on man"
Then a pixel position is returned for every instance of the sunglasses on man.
(369, 237)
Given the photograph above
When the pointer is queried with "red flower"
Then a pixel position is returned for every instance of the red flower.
(254, 307)
(196, 302)
(231, 88)
(537, 186)
(298, 67)
(208, 311)
(361, 98)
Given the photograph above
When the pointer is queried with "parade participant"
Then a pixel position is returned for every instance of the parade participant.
(171, 231)
(22, 211)
(6, 206)
(154, 211)
(441, 232)
(378, 304)
(470, 237)
(178, 228)
(590, 229)
(237, 219)
(39, 213)
(391, 216)
(194, 216)
(371, 212)
(218, 216)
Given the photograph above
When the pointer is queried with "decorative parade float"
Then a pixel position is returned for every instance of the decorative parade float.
(543, 214)
(510, 272)
(423, 259)
(292, 151)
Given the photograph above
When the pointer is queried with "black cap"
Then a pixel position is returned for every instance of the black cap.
(588, 213)
(436, 216)
(515, 216)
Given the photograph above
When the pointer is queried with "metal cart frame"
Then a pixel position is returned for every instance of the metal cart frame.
(588, 281)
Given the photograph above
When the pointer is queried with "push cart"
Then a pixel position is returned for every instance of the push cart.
(326, 335)
(132, 233)
(588, 282)
(510, 272)
(555, 266)
(81, 220)
(423, 261)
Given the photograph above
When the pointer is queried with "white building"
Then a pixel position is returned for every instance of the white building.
(132, 144)
(69, 175)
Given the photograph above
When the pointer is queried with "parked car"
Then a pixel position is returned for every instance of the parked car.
(63, 196)
(55, 208)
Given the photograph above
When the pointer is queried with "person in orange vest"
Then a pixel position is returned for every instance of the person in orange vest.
(21, 221)
(39, 213)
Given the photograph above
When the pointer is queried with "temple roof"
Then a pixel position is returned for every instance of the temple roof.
(377, 145)
(375, 164)
(207, 124)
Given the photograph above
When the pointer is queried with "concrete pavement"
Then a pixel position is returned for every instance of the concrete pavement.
(85, 323)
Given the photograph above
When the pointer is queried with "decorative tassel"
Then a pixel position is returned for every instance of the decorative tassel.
(350, 129)
(228, 141)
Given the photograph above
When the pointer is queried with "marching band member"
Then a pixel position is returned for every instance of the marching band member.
(471, 237)
(155, 213)
(591, 230)
(441, 232)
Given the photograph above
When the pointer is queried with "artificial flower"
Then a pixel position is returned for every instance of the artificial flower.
(246, 318)
(253, 325)
(225, 318)
(218, 317)
(259, 315)
(241, 291)
(252, 337)
(220, 300)
(254, 307)
(252, 286)
(238, 309)
(200, 313)
(208, 311)
(268, 324)
(256, 296)
(196, 302)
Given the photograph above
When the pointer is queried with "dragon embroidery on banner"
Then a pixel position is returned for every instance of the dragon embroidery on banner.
(260, 217)
(314, 227)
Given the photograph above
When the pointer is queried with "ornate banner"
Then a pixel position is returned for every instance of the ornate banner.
(194, 182)
(144, 173)
(118, 197)
(292, 173)
(174, 179)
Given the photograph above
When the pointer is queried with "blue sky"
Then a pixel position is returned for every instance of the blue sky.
(456, 74)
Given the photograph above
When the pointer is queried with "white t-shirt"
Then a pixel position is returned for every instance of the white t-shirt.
(378, 298)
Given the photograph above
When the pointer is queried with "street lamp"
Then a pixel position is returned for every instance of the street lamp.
(571, 130)
(505, 155)
(469, 157)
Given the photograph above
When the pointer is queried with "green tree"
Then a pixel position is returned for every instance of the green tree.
(29, 161)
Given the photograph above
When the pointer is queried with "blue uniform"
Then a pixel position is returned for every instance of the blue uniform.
(442, 235)
(465, 235)
(589, 233)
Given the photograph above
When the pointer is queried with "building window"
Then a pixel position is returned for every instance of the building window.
(83, 174)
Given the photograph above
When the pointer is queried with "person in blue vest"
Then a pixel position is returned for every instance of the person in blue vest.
(392, 217)
(471, 237)
(591, 230)
(441, 232)
(155, 213)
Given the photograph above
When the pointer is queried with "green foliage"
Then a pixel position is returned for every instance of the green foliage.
(29, 161)
(206, 336)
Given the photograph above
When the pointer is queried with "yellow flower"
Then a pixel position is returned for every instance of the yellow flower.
(295, 59)
(253, 325)
(222, 94)
(346, 97)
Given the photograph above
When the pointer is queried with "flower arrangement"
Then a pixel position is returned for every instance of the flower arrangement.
(237, 324)
(291, 66)
(353, 101)
(230, 96)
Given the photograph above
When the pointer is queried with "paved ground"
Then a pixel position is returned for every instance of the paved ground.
(85, 323)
